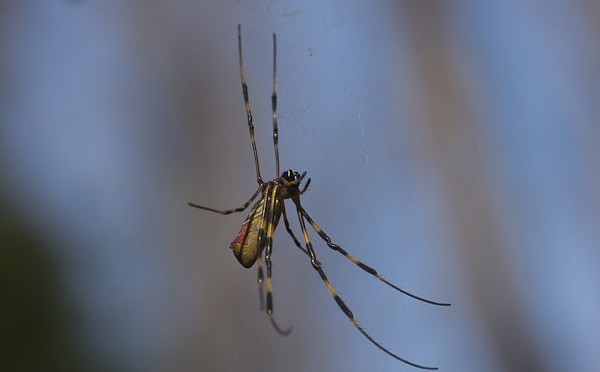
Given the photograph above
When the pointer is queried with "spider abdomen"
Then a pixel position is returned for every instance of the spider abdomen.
(252, 237)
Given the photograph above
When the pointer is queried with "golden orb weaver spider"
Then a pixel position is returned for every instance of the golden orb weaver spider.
(256, 233)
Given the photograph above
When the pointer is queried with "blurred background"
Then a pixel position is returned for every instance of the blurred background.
(452, 145)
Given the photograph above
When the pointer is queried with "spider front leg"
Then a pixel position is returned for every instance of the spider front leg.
(248, 108)
(274, 107)
(358, 263)
(341, 304)
(230, 211)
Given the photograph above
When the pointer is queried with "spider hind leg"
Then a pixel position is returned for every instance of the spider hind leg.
(339, 301)
(271, 221)
(363, 266)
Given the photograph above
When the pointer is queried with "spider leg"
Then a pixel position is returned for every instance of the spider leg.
(358, 263)
(229, 211)
(274, 107)
(248, 108)
(305, 187)
(289, 230)
(268, 252)
(260, 282)
(260, 276)
(341, 304)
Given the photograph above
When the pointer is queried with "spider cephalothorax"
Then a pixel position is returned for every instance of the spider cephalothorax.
(291, 181)
(292, 177)
(256, 233)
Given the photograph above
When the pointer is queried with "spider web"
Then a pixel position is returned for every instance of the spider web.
(453, 151)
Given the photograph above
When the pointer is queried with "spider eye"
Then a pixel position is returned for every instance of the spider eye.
(288, 175)
(296, 175)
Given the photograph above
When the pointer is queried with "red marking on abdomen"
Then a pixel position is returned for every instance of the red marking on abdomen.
(241, 237)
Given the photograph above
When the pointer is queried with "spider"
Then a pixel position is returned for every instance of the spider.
(256, 233)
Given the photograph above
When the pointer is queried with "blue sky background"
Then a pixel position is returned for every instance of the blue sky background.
(451, 145)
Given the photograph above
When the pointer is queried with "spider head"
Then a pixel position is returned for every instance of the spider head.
(292, 177)
(291, 180)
